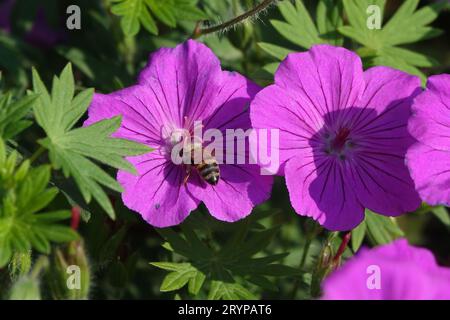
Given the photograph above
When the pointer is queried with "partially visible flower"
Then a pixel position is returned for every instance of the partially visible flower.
(6, 7)
(177, 88)
(429, 158)
(343, 135)
(41, 34)
(396, 271)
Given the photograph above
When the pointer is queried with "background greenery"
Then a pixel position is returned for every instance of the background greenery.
(46, 178)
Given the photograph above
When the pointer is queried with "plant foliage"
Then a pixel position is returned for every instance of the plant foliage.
(70, 149)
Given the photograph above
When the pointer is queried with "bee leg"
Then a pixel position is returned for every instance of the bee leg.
(188, 174)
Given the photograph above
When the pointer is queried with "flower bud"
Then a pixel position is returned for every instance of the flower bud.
(70, 273)
(26, 288)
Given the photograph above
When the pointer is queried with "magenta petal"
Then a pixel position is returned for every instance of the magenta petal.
(405, 273)
(428, 160)
(241, 187)
(430, 123)
(157, 192)
(136, 124)
(379, 175)
(185, 80)
(318, 189)
(308, 88)
(296, 120)
(330, 77)
(232, 102)
(430, 170)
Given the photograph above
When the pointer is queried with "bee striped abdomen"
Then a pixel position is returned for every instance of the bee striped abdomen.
(209, 171)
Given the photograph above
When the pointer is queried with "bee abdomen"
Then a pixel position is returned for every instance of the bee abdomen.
(209, 172)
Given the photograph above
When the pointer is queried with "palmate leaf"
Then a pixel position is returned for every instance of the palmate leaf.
(381, 229)
(229, 291)
(302, 30)
(227, 269)
(12, 115)
(71, 150)
(441, 213)
(358, 235)
(137, 13)
(23, 194)
(407, 25)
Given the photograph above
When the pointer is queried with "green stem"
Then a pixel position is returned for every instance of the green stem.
(37, 154)
(310, 236)
(41, 264)
(198, 32)
(300, 267)
(305, 253)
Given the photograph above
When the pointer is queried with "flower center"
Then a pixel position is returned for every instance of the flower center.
(339, 143)
(340, 139)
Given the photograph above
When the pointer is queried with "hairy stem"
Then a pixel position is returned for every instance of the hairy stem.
(198, 32)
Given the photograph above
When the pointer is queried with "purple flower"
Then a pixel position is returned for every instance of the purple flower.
(343, 135)
(177, 88)
(396, 271)
(6, 7)
(41, 34)
(428, 159)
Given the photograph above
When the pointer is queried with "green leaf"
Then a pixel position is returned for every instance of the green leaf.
(148, 22)
(164, 11)
(57, 233)
(227, 267)
(442, 214)
(187, 10)
(300, 29)
(410, 57)
(12, 115)
(177, 279)
(412, 23)
(227, 291)
(170, 266)
(329, 19)
(263, 282)
(275, 51)
(135, 13)
(73, 150)
(196, 283)
(130, 11)
(23, 194)
(382, 43)
(78, 107)
(358, 235)
(381, 229)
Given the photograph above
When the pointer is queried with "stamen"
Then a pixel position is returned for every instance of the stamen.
(341, 138)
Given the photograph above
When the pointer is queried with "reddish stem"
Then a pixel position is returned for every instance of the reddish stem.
(344, 243)
(75, 222)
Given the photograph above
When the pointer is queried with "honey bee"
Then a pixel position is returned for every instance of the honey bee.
(208, 168)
